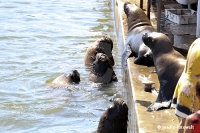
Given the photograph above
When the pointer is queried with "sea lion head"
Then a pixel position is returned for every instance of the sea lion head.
(105, 45)
(66, 79)
(105, 39)
(127, 8)
(101, 64)
(136, 16)
(118, 109)
(115, 118)
(75, 76)
(157, 42)
(101, 45)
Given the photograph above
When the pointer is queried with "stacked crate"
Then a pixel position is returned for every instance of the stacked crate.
(182, 24)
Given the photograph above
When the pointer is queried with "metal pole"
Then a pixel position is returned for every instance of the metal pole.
(148, 8)
(141, 4)
(159, 14)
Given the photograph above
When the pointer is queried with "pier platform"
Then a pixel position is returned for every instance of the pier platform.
(141, 121)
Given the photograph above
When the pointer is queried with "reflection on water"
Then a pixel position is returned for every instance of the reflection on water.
(40, 40)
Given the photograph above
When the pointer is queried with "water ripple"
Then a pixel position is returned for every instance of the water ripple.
(41, 40)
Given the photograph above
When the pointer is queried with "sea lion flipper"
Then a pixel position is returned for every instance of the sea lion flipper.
(127, 52)
(158, 105)
(138, 60)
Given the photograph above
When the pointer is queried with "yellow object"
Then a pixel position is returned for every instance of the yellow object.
(184, 99)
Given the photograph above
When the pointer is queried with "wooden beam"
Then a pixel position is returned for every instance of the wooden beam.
(141, 4)
(148, 8)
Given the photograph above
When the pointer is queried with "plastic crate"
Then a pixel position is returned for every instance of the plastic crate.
(181, 16)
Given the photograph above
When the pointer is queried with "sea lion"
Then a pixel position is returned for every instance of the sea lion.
(169, 65)
(114, 119)
(138, 24)
(66, 79)
(102, 70)
(102, 45)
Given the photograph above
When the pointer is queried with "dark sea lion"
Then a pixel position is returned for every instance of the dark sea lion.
(102, 70)
(66, 79)
(138, 24)
(182, 51)
(102, 45)
(114, 119)
(169, 65)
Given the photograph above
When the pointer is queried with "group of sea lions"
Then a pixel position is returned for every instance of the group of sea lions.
(149, 47)
(99, 59)
(152, 48)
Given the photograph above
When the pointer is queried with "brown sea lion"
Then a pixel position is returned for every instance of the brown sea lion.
(138, 24)
(169, 65)
(66, 79)
(115, 118)
(102, 45)
(102, 70)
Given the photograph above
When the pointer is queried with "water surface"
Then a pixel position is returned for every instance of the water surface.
(40, 40)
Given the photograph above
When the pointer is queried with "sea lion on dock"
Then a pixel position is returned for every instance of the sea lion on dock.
(138, 24)
(65, 80)
(102, 45)
(115, 118)
(102, 70)
(169, 65)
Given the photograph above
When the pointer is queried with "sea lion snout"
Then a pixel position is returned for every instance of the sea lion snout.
(145, 38)
(148, 40)
(126, 9)
(101, 57)
(75, 76)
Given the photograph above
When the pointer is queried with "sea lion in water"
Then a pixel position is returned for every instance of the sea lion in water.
(138, 24)
(66, 79)
(102, 70)
(114, 119)
(102, 45)
(169, 65)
